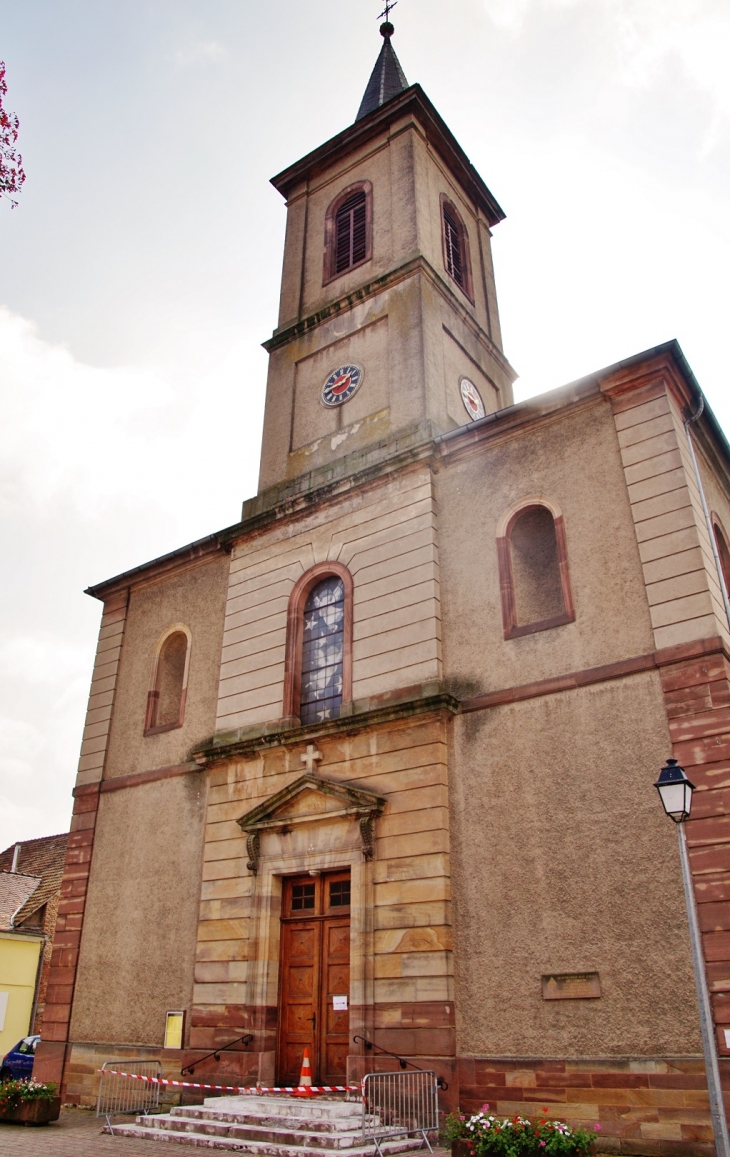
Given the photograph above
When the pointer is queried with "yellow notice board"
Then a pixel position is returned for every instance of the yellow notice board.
(18, 971)
(174, 1023)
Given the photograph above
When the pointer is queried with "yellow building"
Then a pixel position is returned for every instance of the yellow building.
(20, 954)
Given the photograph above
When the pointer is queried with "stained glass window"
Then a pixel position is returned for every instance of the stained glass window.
(322, 651)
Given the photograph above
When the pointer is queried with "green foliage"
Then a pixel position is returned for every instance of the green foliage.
(455, 1127)
(490, 1136)
(14, 1093)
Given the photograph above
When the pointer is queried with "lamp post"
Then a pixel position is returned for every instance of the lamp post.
(675, 792)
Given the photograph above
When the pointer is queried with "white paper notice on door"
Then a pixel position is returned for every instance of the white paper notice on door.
(4, 1008)
(339, 1003)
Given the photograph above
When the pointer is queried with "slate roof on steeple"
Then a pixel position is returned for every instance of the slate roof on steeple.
(388, 78)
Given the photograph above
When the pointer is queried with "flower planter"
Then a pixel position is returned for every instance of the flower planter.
(460, 1148)
(37, 1112)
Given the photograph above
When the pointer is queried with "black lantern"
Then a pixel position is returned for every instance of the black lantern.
(675, 791)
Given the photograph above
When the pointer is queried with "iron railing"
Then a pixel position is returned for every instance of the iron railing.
(244, 1040)
(402, 1061)
(399, 1105)
(123, 1090)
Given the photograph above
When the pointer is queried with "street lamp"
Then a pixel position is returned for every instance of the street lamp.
(675, 792)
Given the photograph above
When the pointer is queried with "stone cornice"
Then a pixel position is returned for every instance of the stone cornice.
(359, 716)
(412, 102)
(393, 277)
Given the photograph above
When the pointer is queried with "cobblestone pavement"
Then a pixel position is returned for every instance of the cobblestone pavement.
(78, 1134)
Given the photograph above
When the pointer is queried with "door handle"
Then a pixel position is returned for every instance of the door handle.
(313, 1019)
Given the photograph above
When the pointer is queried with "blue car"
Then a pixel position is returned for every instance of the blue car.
(18, 1063)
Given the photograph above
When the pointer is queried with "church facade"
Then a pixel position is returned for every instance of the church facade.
(372, 769)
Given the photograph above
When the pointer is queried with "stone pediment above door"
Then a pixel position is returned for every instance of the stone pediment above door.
(311, 799)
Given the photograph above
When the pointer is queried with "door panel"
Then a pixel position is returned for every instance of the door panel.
(299, 983)
(315, 967)
(336, 976)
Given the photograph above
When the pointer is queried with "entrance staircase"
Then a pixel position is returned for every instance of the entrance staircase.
(271, 1126)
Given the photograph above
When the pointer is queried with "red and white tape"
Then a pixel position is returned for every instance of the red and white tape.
(239, 1088)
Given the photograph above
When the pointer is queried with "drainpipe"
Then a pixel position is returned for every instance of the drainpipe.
(710, 530)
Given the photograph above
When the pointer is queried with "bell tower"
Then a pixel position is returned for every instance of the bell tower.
(388, 328)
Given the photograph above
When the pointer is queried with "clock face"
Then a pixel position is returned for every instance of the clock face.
(342, 384)
(471, 398)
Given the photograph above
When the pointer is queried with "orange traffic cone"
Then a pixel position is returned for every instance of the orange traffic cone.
(305, 1078)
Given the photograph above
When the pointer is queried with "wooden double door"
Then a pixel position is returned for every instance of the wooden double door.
(314, 978)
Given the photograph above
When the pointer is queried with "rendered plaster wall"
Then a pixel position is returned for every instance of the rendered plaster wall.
(138, 942)
(563, 862)
(194, 597)
(572, 459)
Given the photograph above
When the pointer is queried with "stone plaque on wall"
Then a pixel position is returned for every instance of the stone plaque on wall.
(571, 986)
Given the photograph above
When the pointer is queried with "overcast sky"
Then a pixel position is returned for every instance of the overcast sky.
(140, 272)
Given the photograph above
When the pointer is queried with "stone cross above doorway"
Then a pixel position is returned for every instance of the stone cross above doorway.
(311, 757)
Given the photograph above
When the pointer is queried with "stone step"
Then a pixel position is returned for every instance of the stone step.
(269, 1120)
(265, 1149)
(277, 1135)
(315, 1108)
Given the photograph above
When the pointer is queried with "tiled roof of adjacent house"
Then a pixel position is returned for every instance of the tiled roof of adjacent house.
(42, 859)
(15, 892)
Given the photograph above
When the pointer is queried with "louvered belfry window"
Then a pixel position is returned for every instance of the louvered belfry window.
(351, 232)
(323, 640)
(455, 263)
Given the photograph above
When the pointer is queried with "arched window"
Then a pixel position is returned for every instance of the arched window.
(533, 568)
(456, 246)
(166, 698)
(318, 677)
(722, 550)
(348, 230)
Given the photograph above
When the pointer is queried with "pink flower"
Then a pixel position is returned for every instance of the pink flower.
(542, 1144)
(597, 1127)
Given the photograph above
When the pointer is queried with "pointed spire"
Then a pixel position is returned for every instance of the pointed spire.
(388, 78)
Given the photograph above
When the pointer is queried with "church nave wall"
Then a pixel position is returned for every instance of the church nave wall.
(140, 922)
(195, 598)
(571, 459)
(564, 864)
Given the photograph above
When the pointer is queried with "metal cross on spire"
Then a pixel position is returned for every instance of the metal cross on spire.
(389, 6)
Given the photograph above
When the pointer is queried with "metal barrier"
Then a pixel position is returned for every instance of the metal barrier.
(399, 1105)
(123, 1091)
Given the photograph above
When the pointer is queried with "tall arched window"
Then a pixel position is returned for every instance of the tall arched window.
(348, 230)
(456, 246)
(319, 645)
(533, 566)
(722, 550)
(320, 697)
(166, 698)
